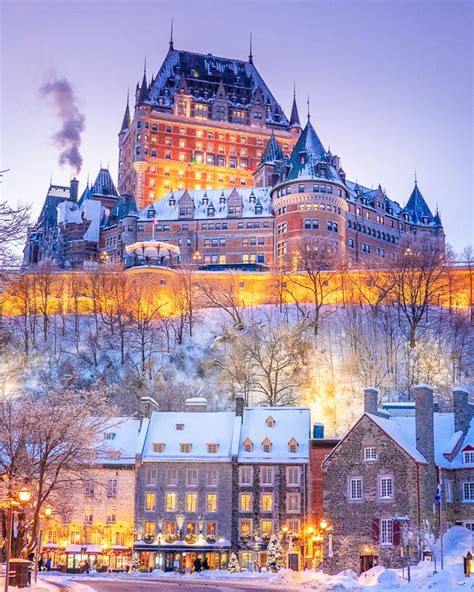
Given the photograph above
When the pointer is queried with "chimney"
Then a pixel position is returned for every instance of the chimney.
(462, 409)
(148, 405)
(318, 431)
(424, 421)
(239, 405)
(195, 404)
(74, 189)
(370, 400)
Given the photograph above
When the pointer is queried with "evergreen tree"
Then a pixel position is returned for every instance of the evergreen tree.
(275, 555)
(135, 562)
(233, 565)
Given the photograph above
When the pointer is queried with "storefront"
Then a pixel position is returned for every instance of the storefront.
(78, 558)
(180, 556)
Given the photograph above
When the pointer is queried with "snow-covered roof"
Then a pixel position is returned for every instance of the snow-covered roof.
(89, 211)
(289, 422)
(401, 432)
(199, 429)
(211, 203)
(202, 74)
(120, 441)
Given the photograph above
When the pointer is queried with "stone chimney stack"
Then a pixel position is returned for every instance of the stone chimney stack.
(462, 409)
(73, 189)
(147, 406)
(424, 421)
(371, 400)
(239, 405)
(195, 404)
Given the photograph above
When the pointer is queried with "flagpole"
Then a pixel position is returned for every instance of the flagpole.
(440, 486)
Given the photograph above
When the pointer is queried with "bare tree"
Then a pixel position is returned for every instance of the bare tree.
(14, 222)
(223, 293)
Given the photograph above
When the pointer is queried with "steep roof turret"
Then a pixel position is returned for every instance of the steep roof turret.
(104, 185)
(143, 94)
(294, 117)
(126, 117)
(418, 208)
(272, 151)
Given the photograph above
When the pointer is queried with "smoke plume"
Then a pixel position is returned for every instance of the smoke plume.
(68, 137)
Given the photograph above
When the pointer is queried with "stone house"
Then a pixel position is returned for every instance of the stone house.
(381, 480)
(184, 487)
(270, 477)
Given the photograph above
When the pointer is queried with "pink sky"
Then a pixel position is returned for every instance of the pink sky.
(390, 83)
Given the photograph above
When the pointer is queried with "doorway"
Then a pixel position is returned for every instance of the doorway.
(368, 562)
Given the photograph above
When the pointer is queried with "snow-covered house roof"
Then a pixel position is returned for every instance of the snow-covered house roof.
(212, 203)
(289, 423)
(89, 211)
(188, 436)
(120, 436)
(203, 75)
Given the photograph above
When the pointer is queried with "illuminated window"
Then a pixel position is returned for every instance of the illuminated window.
(199, 133)
(211, 502)
(266, 526)
(266, 446)
(245, 502)
(170, 502)
(266, 502)
(149, 528)
(191, 528)
(248, 445)
(185, 448)
(88, 514)
(213, 448)
(191, 502)
(158, 447)
(150, 502)
(211, 528)
(245, 528)
(170, 527)
(111, 514)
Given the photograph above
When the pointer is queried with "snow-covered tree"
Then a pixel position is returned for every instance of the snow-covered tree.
(233, 566)
(275, 559)
(135, 562)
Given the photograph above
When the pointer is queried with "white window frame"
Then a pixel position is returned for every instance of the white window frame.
(468, 486)
(387, 479)
(251, 526)
(266, 471)
(242, 471)
(448, 490)
(468, 457)
(368, 453)
(150, 476)
(172, 495)
(210, 481)
(241, 509)
(171, 482)
(386, 536)
(350, 490)
(268, 495)
(191, 482)
(293, 496)
(469, 524)
(293, 471)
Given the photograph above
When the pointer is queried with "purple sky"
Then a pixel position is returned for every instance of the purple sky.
(390, 83)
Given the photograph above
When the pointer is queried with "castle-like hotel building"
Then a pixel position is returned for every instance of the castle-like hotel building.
(209, 163)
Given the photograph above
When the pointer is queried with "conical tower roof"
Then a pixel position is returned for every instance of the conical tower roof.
(126, 118)
(417, 207)
(272, 151)
(308, 151)
(143, 94)
(294, 117)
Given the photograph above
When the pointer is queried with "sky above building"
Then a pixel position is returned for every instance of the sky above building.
(390, 83)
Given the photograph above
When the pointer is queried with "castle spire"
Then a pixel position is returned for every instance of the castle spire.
(126, 116)
(294, 117)
(143, 94)
(250, 52)
(171, 37)
(309, 114)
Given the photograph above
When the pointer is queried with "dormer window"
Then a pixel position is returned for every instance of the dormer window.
(180, 426)
(258, 209)
(248, 445)
(185, 448)
(158, 447)
(468, 457)
(109, 436)
(222, 199)
(172, 201)
(210, 211)
(270, 422)
(212, 448)
(151, 213)
(266, 446)
(252, 198)
(293, 446)
(425, 220)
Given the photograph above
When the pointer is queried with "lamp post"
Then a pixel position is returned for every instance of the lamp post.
(24, 496)
(48, 512)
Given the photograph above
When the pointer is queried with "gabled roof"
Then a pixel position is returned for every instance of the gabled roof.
(103, 185)
(204, 74)
(273, 152)
(418, 208)
(290, 422)
(199, 429)
(120, 449)
(125, 206)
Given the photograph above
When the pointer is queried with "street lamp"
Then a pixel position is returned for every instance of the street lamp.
(24, 496)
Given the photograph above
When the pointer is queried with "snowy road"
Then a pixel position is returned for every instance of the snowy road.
(166, 586)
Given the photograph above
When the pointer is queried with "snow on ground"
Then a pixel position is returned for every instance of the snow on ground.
(47, 584)
(457, 542)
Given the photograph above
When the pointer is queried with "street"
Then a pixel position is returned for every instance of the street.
(165, 586)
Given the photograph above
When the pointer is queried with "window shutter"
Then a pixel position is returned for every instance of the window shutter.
(375, 530)
(396, 532)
